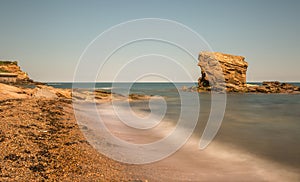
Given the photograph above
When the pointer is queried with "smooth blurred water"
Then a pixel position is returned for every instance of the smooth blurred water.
(267, 125)
(264, 125)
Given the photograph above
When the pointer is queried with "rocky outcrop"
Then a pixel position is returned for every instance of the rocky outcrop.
(222, 71)
(48, 92)
(40, 91)
(273, 87)
(12, 92)
(12, 67)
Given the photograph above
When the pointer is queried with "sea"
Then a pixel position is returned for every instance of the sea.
(258, 139)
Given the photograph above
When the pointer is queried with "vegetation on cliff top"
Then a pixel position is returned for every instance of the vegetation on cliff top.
(4, 63)
(8, 62)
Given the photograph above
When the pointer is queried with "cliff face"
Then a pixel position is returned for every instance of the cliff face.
(12, 67)
(222, 70)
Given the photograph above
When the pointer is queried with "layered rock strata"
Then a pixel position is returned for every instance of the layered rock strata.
(224, 72)
(13, 67)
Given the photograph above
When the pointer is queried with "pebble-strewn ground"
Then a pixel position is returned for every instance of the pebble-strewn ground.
(40, 141)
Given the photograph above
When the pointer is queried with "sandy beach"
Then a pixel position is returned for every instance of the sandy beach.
(40, 140)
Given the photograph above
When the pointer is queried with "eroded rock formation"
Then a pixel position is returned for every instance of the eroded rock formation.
(222, 71)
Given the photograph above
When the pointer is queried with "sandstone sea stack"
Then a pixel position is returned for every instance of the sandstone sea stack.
(224, 72)
(219, 70)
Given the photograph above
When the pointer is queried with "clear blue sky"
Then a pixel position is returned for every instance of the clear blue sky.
(48, 37)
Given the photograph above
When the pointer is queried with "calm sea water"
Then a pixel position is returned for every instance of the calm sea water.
(264, 125)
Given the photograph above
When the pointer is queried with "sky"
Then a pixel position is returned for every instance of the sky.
(48, 37)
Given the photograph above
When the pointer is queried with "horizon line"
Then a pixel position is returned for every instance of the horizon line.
(157, 81)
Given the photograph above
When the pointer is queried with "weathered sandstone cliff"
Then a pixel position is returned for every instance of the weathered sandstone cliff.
(12, 67)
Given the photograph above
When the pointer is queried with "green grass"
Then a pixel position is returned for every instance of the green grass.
(8, 62)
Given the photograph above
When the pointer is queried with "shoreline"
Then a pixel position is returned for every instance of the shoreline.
(220, 161)
(41, 140)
